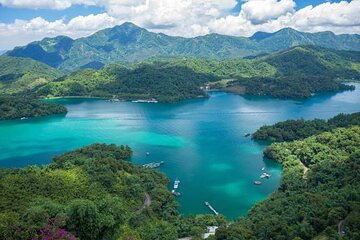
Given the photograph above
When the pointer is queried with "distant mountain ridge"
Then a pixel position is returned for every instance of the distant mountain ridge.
(130, 43)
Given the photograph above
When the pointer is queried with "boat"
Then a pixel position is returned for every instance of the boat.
(23, 118)
(247, 135)
(176, 183)
(263, 169)
(265, 175)
(147, 153)
(177, 194)
(176, 186)
(257, 182)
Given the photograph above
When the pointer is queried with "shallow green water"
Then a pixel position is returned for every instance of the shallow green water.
(201, 141)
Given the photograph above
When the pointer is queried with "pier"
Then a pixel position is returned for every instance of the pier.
(211, 208)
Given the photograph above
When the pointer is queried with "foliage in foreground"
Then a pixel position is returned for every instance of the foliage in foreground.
(91, 193)
(299, 129)
(18, 107)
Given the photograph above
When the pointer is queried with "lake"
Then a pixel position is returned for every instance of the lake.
(201, 141)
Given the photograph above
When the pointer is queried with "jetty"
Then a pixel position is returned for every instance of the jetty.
(211, 208)
(153, 164)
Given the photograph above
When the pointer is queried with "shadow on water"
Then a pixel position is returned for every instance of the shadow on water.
(38, 159)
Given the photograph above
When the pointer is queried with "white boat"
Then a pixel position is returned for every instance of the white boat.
(23, 118)
(176, 183)
(263, 169)
(257, 182)
(265, 175)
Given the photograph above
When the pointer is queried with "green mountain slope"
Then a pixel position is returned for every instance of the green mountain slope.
(297, 72)
(130, 43)
(18, 75)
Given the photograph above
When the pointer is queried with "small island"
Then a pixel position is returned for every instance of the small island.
(23, 108)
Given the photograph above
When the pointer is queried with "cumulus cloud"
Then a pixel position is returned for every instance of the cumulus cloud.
(260, 11)
(183, 17)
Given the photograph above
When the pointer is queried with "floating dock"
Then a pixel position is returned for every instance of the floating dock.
(153, 164)
(211, 208)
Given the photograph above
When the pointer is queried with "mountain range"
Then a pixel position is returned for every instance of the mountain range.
(129, 43)
(297, 72)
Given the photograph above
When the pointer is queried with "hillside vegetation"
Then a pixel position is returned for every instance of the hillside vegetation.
(19, 107)
(295, 73)
(92, 193)
(22, 75)
(319, 192)
(298, 129)
(130, 43)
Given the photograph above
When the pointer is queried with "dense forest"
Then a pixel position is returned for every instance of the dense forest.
(319, 194)
(295, 73)
(19, 107)
(298, 129)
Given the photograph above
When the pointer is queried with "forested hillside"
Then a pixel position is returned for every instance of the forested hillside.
(298, 129)
(21, 75)
(319, 194)
(130, 43)
(24, 107)
(295, 73)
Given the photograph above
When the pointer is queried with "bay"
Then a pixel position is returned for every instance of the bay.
(201, 141)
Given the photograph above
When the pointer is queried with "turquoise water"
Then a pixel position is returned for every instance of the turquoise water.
(201, 141)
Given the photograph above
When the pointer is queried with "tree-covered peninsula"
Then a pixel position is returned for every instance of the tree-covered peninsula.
(319, 194)
(24, 107)
(299, 129)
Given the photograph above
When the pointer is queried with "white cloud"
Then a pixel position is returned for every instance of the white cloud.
(260, 11)
(45, 4)
(183, 17)
(342, 17)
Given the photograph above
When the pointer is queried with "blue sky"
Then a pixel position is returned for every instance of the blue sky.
(23, 21)
(9, 14)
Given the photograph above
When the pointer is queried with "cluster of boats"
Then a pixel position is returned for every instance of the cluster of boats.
(262, 176)
(153, 164)
(153, 100)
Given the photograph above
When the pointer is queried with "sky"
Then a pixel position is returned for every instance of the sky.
(24, 21)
